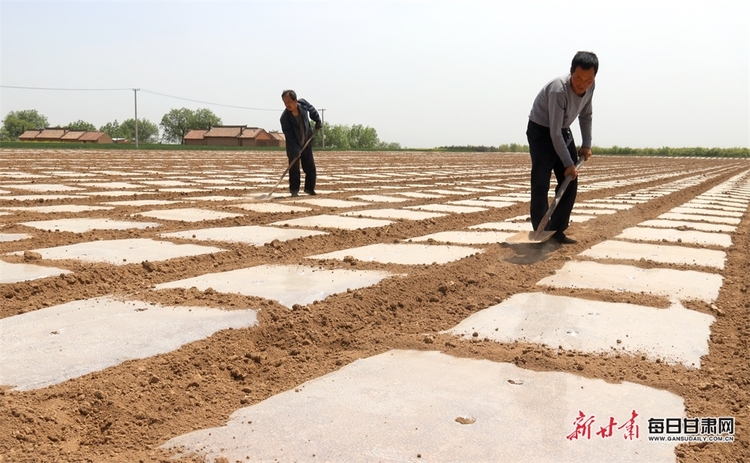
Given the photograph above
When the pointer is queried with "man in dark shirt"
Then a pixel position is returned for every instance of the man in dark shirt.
(295, 123)
(551, 143)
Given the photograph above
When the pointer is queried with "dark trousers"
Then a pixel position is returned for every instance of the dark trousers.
(308, 166)
(544, 161)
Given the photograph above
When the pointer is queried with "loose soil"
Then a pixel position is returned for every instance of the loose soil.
(124, 413)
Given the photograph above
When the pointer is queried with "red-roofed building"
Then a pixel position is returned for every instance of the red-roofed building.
(195, 137)
(234, 135)
(72, 135)
(278, 139)
(29, 135)
(64, 135)
(95, 137)
(51, 134)
(224, 135)
(254, 136)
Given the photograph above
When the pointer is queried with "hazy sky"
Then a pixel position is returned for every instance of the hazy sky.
(423, 74)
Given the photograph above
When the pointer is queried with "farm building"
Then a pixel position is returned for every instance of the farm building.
(195, 137)
(72, 135)
(50, 134)
(65, 135)
(223, 135)
(95, 137)
(29, 135)
(278, 139)
(232, 135)
(254, 136)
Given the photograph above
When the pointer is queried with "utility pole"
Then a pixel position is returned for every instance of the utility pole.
(323, 117)
(135, 95)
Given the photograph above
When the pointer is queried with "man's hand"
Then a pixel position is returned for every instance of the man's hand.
(585, 152)
(318, 125)
(572, 171)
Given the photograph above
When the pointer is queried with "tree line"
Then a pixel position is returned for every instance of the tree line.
(354, 137)
(174, 125)
(178, 122)
(737, 152)
(505, 148)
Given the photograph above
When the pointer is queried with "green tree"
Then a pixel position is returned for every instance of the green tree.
(204, 119)
(82, 126)
(178, 122)
(356, 137)
(148, 132)
(337, 137)
(385, 146)
(361, 137)
(112, 129)
(17, 122)
(512, 148)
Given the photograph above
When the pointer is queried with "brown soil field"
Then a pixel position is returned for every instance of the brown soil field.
(121, 414)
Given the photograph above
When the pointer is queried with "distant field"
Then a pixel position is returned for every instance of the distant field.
(616, 151)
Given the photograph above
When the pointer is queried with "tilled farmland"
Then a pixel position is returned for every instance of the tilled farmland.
(156, 308)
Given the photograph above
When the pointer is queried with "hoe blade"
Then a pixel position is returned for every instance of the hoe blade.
(531, 237)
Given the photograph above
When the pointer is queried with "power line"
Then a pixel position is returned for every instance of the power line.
(208, 102)
(67, 89)
(143, 90)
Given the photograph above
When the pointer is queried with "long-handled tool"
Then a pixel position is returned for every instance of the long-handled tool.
(268, 196)
(540, 235)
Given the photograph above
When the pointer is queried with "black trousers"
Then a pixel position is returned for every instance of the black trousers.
(544, 161)
(308, 166)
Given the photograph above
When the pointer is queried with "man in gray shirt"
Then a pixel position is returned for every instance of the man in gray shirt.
(551, 143)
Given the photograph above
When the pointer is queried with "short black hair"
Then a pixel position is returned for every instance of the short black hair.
(585, 60)
(292, 94)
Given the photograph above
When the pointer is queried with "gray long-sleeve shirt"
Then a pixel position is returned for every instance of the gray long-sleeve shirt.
(557, 106)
